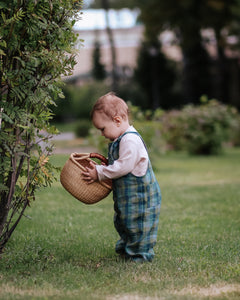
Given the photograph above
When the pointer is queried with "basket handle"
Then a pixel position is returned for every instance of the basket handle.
(99, 156)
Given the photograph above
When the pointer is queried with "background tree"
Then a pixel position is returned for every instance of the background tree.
(217, 77)
(98, 71)
(186, 19)
(223, 16)
(36, 40)
(155, 76)
(116, 4)
(106, 5)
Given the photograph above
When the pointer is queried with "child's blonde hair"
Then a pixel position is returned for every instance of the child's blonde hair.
(111, 106)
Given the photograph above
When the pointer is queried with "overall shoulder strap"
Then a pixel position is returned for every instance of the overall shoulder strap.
(134, 132)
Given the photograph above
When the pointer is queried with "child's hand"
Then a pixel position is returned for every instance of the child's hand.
(90, 175)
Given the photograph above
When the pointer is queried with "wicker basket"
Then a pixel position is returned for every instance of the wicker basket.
(71, 179)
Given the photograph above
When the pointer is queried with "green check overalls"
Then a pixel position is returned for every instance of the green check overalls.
(137, 202)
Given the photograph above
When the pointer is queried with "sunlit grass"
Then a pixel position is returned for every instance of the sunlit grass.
(65, 249)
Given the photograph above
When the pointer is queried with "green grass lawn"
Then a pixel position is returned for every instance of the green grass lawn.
(65, 249)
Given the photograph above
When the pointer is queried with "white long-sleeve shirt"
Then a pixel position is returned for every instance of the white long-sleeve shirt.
(133, 158)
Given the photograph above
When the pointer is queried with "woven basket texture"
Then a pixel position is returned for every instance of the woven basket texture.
(71, 180)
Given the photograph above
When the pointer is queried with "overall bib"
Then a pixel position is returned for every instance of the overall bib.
(137, 202)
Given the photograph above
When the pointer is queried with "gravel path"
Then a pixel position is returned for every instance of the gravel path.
(72, 150)
(68, 136)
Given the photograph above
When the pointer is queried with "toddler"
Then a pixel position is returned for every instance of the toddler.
(136, 193)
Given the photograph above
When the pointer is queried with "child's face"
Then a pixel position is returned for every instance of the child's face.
(110, 128)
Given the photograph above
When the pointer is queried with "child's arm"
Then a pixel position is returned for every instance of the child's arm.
(133, 157)
(131, 153)
(119, 168)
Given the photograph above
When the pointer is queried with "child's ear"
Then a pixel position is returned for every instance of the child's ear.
(117, 120)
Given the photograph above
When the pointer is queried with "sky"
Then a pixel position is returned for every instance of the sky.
(92, 19)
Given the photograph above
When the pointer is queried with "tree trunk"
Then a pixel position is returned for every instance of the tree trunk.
(196, 67)
(222, 78)
(3, 211)
(105, 5)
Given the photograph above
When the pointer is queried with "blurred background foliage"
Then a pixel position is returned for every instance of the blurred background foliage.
(198, 129)
(169, 99)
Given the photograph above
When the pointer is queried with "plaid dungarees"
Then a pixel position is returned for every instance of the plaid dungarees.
(137, 202)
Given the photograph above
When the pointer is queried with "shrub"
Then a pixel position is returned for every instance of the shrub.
(197, 129)
(78, 101)
(200, 129)
(98, 141)
(36, 41)
(235, 132)
(206, 127)
(172, 129)
(83, 127)
(153, 139)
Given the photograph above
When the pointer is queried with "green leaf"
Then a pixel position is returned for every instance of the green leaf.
(3, 187)
(21, 61)
(3, 5)
(6, 118)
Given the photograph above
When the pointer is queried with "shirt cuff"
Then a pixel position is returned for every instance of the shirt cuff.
(101, 176)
